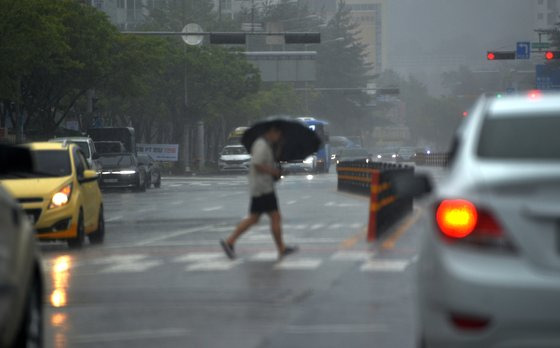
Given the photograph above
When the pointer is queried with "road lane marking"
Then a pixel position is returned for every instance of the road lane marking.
(335, 329)
(291, 202)
(174, 234)
(392, 240)
(213, 265)
(316, 226)
(298, 264)
(212, 208)
(138, 266)
(128, 335)
(335, 226)
(351, 256)
(384, 265)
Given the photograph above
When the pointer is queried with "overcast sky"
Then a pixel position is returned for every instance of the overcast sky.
(467, 27)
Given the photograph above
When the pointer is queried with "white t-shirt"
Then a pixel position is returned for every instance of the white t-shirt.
(261, 183)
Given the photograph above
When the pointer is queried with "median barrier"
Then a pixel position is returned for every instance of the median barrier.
(375, 179)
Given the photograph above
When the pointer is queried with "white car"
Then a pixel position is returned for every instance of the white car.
(489, 262)
(88, 148)
(234, 158)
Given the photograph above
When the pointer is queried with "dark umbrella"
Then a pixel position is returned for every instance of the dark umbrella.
(298, 141)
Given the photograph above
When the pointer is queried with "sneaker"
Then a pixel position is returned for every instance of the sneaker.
(228, 249)
(288, 250)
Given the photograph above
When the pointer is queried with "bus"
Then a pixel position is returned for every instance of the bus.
(234, 138)
(323, 156)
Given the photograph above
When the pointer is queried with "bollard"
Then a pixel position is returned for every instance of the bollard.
(374, 189)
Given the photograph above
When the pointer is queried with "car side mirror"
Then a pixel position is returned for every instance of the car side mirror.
(412, 186)
(88, 176)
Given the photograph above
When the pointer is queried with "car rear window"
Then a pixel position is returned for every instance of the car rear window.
(520, 137)
(52, 162)
(116, 161)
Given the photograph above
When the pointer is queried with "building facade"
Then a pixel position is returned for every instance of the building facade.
(547, 13)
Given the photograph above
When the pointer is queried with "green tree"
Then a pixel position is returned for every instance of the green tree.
(49, 85)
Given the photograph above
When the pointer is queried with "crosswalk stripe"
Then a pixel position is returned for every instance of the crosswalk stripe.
(265, 256)
(198, 257)
(351, 256)
(299, 264)
(138, 266)
(384, 266)
(213, 265)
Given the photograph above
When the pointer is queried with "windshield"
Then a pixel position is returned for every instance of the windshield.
(116, 161)
(52, 163)
(527, 137)
(234, 151)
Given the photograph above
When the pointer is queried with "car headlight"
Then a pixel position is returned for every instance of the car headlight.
(125, 172)
(379, 156)
(308, 160)
(62, 197)
(394, 156)
(367, 160)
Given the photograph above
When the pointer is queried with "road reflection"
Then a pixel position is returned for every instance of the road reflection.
(60, 276)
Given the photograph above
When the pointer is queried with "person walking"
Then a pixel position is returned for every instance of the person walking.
(263, 173)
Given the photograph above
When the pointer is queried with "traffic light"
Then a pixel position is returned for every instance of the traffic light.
(551, 55)
(500, 55)
(227, 38)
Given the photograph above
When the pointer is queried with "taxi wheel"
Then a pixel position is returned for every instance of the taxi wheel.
(141, 185)
(31, 331)
(78, 242)
(98, 236)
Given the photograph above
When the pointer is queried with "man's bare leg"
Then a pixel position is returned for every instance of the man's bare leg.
(243, 226)
(276, 228)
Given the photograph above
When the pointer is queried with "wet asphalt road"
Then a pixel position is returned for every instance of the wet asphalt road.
(161, 279)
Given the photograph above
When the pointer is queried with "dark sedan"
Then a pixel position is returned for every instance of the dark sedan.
(122, 171)
(153, 171)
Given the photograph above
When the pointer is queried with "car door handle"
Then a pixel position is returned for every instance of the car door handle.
(542, 211)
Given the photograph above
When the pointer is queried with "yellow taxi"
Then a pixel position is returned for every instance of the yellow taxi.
(62, 197)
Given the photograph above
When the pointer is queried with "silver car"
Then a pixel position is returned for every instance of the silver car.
(489, 263)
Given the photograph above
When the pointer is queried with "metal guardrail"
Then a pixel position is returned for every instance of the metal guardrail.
(375, 180)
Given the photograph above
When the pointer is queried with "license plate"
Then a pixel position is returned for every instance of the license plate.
(110, 181)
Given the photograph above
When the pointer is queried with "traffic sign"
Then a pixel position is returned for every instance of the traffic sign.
(523, 50)
(540, 45)
(548, 77)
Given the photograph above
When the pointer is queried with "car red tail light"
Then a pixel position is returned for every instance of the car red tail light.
(456, 218)
(467, 322)
(461, 221)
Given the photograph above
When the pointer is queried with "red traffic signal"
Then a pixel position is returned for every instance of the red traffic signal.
(550, 55)
(500, 55)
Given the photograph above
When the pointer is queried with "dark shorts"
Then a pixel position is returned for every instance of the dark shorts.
(264, 204)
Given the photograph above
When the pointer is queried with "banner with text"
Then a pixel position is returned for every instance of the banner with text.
(160, 152)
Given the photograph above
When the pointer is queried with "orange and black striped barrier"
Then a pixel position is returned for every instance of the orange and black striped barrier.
(374, 179)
